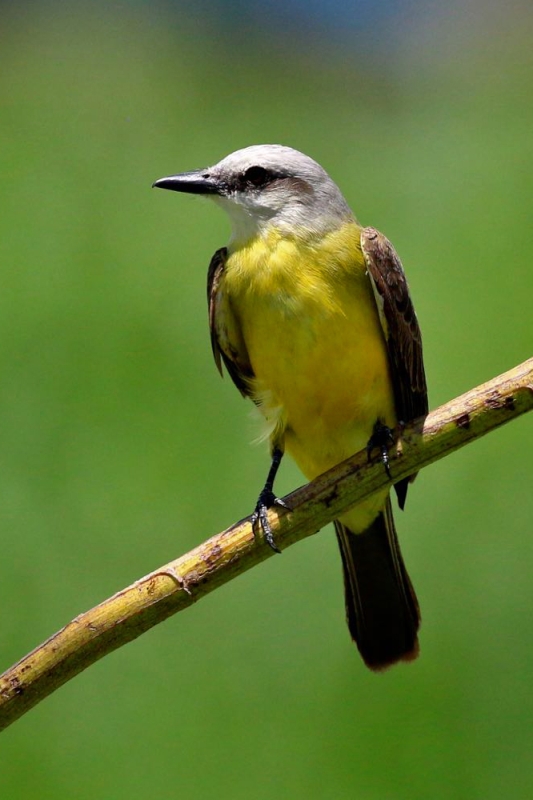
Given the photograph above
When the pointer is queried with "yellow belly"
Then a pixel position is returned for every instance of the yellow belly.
(311, 328)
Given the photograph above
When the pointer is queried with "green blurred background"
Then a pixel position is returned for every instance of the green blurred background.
(121, 448)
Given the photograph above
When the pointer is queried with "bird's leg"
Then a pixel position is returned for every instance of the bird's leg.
(381, 439)
(267, 499)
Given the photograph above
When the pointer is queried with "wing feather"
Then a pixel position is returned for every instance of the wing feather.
(226, 338)
(401, 331)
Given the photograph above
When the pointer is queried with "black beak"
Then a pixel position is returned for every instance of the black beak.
(197, 182)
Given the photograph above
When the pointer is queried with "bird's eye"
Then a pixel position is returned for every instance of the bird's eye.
(257, 176)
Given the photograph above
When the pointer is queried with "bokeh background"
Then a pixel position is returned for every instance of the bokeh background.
(121, 448)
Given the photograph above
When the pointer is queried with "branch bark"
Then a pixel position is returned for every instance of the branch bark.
(182, 582)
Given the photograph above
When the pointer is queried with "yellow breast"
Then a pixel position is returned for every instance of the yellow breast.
(308, 317)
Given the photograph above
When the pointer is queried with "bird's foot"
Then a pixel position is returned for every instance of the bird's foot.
(267, 499)
(381, 439)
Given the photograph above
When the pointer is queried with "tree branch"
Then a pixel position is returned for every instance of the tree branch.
(181, 583)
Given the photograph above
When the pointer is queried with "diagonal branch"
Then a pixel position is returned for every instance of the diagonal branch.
(181, 583)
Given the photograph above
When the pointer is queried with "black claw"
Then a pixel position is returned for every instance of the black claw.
(279, 502)
(381, 440)
(266, 500)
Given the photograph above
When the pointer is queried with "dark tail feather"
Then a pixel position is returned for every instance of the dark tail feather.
(381, 605)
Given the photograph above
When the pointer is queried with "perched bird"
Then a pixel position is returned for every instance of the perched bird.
(311, 315)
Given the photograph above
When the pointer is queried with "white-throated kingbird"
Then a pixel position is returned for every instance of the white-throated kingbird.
(311, 315)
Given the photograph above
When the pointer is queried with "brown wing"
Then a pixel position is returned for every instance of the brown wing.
(226, 338)
(400, 327)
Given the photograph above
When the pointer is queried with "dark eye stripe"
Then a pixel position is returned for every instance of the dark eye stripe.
(257, 176)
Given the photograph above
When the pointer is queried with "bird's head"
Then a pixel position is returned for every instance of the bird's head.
(268, 186)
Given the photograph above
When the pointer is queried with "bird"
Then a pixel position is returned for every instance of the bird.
(311, 315)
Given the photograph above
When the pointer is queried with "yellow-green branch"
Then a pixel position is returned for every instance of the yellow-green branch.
(180, 583)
